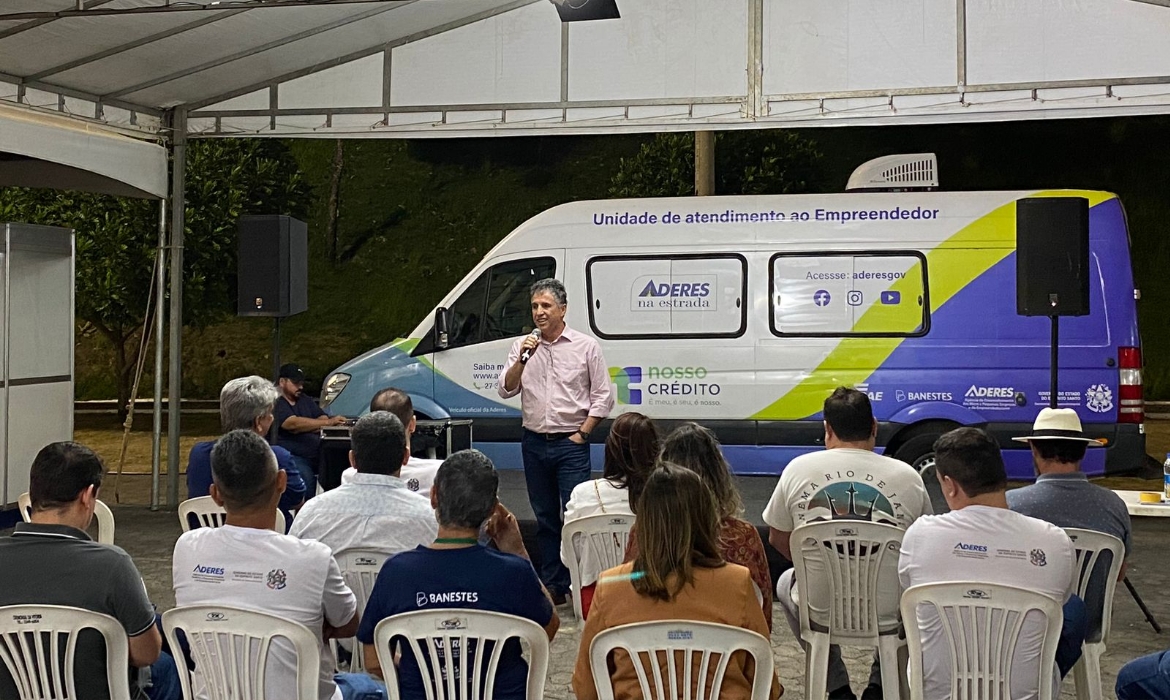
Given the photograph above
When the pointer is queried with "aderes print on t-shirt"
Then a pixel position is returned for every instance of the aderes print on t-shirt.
(846, 484)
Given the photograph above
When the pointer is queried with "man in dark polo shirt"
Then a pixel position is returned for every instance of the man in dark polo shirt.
(298, 425)
(51, 561)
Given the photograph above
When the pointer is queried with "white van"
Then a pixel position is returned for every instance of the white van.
(743, 313)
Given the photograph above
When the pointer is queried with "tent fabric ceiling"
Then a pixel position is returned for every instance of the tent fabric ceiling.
(395, 68)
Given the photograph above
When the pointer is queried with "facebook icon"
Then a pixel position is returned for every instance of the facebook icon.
(821, 297)
(891, 297)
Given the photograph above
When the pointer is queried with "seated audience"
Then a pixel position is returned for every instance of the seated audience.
(418, 474)
(464, 498)
(679, 574)
(302, 582)
(631, 450)
(52, 561)
(1145, 678)
(1063, 496)
(1001, 547)
(845, 481)
(375, 510)
(696, 448)
(246, 404)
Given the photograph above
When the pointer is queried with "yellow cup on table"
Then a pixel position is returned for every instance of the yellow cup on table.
(1150, 497)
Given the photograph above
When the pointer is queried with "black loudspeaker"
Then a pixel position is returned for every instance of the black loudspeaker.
(1052, 256)
(586, 10)
(273, 267)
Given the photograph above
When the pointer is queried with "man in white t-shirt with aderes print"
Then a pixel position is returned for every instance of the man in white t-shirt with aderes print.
(846, 481)
(981, 540)
(246, 564)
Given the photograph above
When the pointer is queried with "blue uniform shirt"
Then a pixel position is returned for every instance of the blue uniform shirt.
(303, 445)
(473, 577)
(199, 476)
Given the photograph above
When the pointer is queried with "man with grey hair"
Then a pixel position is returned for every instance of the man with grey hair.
(563, 383)
(375, 510)
(245, 404)
(456, 571)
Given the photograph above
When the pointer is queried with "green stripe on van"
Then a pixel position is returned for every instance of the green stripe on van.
(984, 242)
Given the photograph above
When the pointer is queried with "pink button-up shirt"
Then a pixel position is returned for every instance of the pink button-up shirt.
(564, 382)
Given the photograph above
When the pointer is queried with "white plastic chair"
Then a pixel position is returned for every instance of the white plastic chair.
(604, 538)
(857, 561)
(359, 568)
(33, 634)
(1089, 546)
(211, 515)
(101, 513)
(457, 628)
(231, 648)
(677, 642)
(981, 626)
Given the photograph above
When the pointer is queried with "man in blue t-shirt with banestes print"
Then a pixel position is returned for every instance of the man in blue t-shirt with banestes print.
(457, 572)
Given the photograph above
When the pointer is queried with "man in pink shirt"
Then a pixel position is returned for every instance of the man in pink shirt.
(564, 390)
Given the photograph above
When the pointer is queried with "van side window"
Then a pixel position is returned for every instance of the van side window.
(497, 304)
(849, 294)
(665, 296)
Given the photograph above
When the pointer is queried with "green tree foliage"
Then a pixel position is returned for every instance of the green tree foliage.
(117, 238)
(746, 162)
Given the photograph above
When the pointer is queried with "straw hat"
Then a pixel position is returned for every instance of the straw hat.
(1058, 424)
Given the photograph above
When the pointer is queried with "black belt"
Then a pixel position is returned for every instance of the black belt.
(551, 437)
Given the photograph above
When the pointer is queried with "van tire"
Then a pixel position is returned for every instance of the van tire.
(917, 450)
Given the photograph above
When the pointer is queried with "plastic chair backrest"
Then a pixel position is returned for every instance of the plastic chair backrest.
(1089, 545)
(857, 560)
(359, 568)
(33, 634)
(25, 504)
(209, 514)
(101, 513)
(605, 536)
(231, 648)
(673, 641)
(457, 628)
(981, 625)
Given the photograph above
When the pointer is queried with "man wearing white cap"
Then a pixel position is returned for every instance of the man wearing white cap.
(1063, 496)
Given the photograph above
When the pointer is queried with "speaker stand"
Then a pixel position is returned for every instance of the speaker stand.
(276, 348)
(1055, 345)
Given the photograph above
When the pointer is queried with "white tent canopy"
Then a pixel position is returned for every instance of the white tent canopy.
(396, 68)
(89, 88)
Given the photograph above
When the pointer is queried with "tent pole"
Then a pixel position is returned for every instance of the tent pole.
(160, 295)
(175, 383)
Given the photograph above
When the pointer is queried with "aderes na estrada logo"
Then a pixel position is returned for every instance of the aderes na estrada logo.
(622, 378)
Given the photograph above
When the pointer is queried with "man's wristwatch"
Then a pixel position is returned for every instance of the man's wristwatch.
(584, 435)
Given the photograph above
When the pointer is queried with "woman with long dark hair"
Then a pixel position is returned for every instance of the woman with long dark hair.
(679, 574)
(630, 453)
(692, 446)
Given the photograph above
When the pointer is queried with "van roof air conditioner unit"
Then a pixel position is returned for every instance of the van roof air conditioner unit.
(904, 172)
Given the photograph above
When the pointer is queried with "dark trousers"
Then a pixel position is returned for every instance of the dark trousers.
(1145, 678)
(1072, 635)
(551, 469)
(308, 474)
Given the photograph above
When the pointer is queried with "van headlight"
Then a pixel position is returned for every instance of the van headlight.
(333, 387)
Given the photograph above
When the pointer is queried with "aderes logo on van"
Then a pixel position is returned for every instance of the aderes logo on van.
(689, 292)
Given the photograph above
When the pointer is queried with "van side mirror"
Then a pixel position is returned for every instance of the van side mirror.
(442, 326)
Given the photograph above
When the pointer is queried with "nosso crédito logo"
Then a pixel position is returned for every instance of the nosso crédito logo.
(679, 381)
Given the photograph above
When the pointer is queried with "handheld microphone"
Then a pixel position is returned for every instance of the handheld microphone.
(527, 354)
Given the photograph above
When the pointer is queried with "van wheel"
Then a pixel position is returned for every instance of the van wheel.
(918, 452)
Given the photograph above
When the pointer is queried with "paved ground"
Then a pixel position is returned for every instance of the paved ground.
(149, 538)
